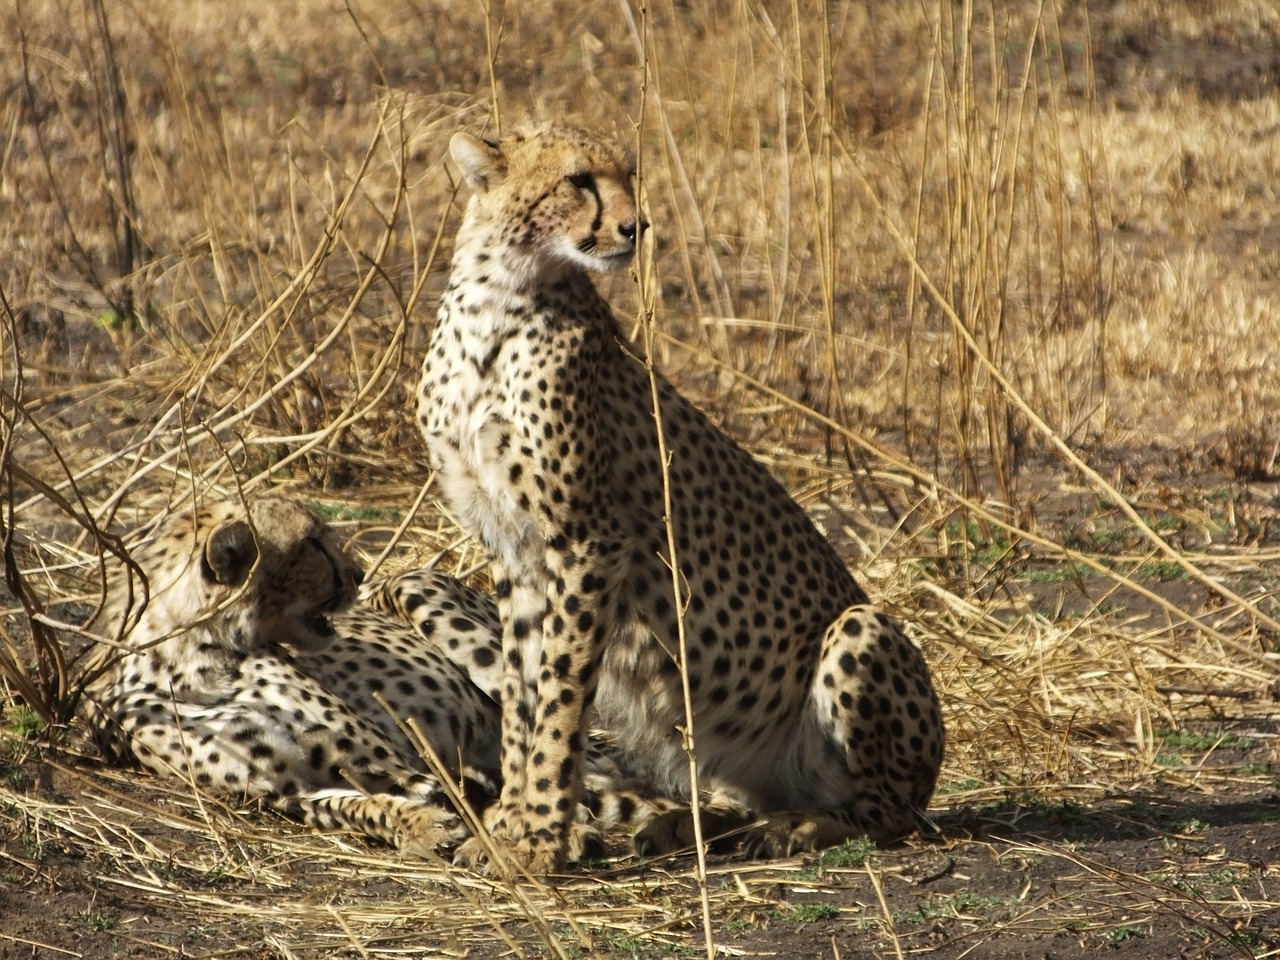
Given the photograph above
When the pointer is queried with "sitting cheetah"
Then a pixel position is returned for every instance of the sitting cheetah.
(815, 717)
(254, 676)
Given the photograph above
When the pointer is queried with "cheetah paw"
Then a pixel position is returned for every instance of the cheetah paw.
(672, 832)
(474, 854)
(779, 840)
(489, 857)
(586, 842)
(423, 831)
(494, 852)
(665, 834)
(787, 834)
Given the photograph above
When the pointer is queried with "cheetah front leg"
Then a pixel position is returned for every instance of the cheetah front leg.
(522, 605)
(416, 827)
(253, 750)
(579, 608)
(524, 587)
(553, 634)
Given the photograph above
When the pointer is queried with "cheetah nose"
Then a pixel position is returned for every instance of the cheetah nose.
(630, 228)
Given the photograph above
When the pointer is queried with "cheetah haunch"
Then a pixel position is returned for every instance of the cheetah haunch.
(813, 712)
(254, 677)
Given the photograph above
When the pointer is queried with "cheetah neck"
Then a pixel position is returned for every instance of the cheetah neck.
(496, 287)
(199, 663)
(183, 626)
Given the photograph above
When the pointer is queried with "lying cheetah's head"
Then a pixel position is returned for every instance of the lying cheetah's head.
(268, 574)
(560, 196)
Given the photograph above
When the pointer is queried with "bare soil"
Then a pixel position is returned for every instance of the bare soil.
(1154, 872)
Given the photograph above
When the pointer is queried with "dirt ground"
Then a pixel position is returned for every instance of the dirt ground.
(1154, 872)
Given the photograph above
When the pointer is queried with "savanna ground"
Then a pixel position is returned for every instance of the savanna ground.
(993, 287)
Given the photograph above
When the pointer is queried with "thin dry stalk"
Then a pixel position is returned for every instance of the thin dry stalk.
(820, 166)
(889, 926)
(690, 205)
(114, 132)
(678, 587)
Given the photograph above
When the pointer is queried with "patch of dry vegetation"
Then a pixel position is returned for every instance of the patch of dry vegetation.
(992, 286)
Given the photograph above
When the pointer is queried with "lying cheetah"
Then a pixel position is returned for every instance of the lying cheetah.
(814, 713)
(256, 677)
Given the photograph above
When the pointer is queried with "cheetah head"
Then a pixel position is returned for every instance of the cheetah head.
(564, 197)
(267, 575)
(288, 568)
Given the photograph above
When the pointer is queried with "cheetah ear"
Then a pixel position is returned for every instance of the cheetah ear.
(480, 161)
(229, 553)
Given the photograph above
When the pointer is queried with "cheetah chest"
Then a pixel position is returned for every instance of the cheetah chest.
(472, 438)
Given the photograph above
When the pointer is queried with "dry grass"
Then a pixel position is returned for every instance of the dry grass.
(992, 288)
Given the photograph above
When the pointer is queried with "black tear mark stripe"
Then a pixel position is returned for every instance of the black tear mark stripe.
(593, 188)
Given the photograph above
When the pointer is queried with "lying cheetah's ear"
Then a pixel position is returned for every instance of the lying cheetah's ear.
(229, 553)
(480, 161)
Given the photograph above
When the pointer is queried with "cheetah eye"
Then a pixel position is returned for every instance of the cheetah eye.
(583, 181)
